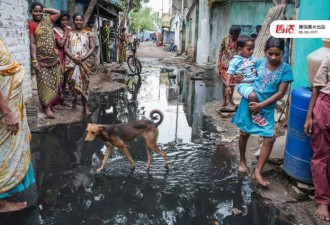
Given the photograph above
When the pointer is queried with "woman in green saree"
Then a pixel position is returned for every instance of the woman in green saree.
(105, 35)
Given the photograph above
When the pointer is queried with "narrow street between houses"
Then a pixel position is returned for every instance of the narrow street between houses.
(202, 185)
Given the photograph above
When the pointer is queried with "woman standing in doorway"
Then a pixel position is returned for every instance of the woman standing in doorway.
(45, 59)
(79, 48)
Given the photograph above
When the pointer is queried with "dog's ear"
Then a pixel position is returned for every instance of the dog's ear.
(101, 128)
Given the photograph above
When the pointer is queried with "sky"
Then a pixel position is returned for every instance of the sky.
(156, 5)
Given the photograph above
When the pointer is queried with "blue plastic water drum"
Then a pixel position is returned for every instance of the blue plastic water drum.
(298, 152)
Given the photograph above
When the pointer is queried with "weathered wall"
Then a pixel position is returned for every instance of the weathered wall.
(308, 10)
(203, 43)
(187, 24)
(191, 36)
(241, 13)
(175, 26)
(220, 24)
(14, 31)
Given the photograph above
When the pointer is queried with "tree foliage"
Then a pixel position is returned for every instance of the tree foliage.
(137, 4)
(144, 19)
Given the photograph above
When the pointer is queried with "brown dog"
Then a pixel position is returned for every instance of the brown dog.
(120, 134)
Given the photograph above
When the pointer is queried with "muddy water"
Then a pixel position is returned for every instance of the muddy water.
(201, 187)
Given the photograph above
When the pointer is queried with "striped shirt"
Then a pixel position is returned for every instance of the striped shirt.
(243, 66)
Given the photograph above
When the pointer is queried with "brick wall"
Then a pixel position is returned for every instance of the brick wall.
(14, 31)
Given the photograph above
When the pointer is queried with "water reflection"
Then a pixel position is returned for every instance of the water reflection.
(201, 187)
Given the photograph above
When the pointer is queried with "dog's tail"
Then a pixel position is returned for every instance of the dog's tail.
(153, 117)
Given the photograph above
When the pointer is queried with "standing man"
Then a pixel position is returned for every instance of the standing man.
(122, 41)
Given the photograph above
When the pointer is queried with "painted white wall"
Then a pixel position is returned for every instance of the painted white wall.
(175, 26)
(14, 31)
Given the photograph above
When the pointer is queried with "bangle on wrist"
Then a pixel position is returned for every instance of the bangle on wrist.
(227, 85)
(34, 61)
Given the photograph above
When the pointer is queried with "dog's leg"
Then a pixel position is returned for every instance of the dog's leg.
(117, 142)
(162, 153)
(149, 157)
(151, 142)
(128, 156)
(106, 156)
(149, 152)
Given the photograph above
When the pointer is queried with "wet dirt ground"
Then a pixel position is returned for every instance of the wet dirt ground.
(202, 186)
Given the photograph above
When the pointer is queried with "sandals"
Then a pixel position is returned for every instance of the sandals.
(259, 120)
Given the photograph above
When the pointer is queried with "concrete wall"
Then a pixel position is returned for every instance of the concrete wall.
(220, 24)
(308, 10)
(238, 13)
(175, 26)
(187, 24)
(241, 13)
(203, 43)
(192, 32)
(14, 31)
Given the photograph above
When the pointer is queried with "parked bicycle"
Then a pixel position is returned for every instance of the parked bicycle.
(133, 62)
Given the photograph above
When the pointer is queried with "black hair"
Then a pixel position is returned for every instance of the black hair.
(258, 26)
(35, 4)
(275, 42)
(63, 14)
(242, 39)
(234, 29)
(77, 14)
(90, 22)
(254, 35)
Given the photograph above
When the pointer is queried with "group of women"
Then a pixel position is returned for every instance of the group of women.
(60, 56)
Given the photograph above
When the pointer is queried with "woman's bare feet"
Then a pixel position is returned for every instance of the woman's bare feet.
(257, 176)
(231, 104)
(6, 206)
(49, 113)
(58, 107)
(322, 212)
(53, 109)
(242, 167)
(65, 104)
(223, 104)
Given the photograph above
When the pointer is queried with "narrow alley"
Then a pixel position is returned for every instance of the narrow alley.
(172, 112)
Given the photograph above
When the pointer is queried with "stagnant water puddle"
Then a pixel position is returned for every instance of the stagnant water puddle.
(201, 187)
